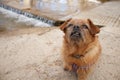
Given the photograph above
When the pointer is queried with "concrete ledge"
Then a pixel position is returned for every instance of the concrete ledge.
(31, 14)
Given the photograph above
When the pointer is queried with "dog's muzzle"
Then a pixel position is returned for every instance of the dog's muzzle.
(75, 34)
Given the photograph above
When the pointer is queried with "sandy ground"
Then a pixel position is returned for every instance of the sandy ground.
(35, 54)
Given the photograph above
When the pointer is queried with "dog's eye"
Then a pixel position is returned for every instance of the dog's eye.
(85, 26)
(70, 25)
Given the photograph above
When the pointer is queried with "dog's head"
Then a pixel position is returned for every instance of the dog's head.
(78, 30)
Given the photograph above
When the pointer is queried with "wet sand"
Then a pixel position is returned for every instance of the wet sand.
(7, 23)
(10, 21)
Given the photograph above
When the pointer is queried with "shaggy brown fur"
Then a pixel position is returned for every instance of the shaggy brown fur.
(81, 47)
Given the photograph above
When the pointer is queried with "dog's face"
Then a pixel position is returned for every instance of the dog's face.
(79, 31)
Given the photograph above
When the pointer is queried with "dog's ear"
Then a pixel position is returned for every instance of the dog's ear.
(63, 26)
(93, 28)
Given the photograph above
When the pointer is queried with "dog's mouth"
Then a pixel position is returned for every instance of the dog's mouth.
(75, 35)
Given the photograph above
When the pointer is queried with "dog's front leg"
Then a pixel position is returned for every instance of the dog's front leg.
(82, 74)
(81, 77)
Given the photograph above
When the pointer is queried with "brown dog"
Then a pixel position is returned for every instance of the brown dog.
(81, 47)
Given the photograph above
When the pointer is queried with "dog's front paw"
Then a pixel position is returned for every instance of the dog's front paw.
(67, 68)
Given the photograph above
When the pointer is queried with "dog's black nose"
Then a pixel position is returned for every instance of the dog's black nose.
(76, 28)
